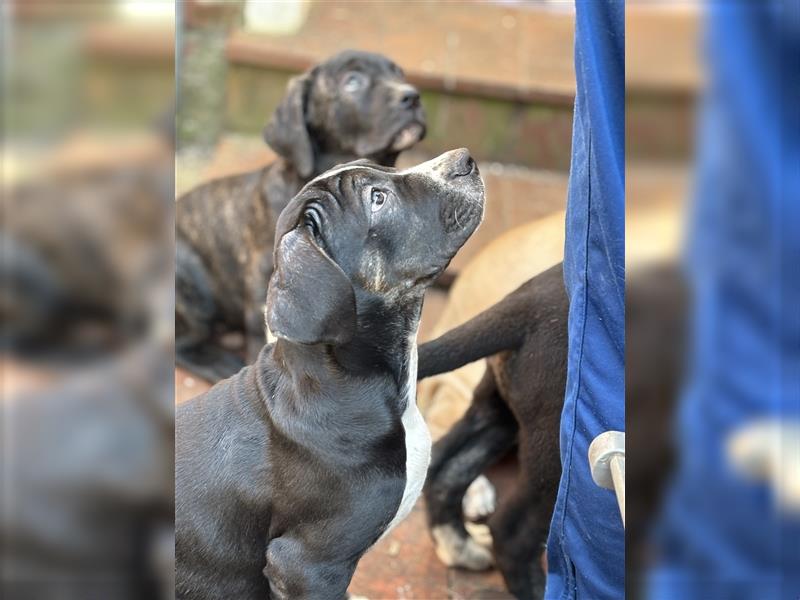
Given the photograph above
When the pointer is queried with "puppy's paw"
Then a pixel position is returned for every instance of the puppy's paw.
(456, 550)
(479, 500)
(480, 533)
(355, 597)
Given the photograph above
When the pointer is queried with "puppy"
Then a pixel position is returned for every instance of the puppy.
(354, 105)
(82, 251)
(652, 232)
(88, 473)
(288, 472)
(518, 401)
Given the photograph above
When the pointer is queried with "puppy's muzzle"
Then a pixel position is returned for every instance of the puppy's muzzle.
(408, 97)
(462, 165)
(461, 190)
(453, 167)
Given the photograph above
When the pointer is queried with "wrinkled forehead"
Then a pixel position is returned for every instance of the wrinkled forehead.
(365, 62)
(353, 172)
(341, 187)
(336, 186)
(343, 179)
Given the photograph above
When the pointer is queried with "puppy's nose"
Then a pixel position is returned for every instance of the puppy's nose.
(409, 97)
(461, 164)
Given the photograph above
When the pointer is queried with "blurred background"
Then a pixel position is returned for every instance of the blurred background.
(110, 108)
(86, 307)
(495, 77)
(712, 392)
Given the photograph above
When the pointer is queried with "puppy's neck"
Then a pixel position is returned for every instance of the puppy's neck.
(387, 333)
(382, 346)
(279, 184)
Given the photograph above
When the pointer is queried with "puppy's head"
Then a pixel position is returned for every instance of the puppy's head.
(362, 234)
(354, 104)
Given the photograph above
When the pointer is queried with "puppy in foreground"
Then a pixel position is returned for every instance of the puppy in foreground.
(354, 105)
(288, 472)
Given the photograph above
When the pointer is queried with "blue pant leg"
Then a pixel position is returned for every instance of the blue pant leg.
(721, 536)
(586, 546)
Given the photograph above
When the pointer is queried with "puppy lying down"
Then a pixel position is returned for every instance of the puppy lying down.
(287, 473)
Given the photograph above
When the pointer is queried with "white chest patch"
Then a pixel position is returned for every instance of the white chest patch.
(418, 445)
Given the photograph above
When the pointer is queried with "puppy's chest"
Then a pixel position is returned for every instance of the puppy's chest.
(418, 447)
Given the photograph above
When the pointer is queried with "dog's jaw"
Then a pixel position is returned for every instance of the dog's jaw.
(408, 136)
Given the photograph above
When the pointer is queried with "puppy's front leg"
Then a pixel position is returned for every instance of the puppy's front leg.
(296, 572)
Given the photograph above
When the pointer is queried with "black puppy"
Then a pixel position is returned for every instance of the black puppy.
(288, 472)
(354, 105)
(88, 480)
(518, 401)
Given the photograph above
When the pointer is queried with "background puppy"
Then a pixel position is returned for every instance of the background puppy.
(92, 469)
(653, 233)
(289, 471)
(518, 401)
(83, 248)
(354, 105)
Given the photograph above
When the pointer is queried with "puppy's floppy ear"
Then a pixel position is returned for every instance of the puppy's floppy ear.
(287, 131)
(310, 299)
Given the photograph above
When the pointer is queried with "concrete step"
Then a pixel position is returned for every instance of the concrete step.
(495, 78)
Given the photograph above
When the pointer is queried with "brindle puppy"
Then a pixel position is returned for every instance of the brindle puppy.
(354, 105)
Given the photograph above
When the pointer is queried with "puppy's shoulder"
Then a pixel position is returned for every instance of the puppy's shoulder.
(222, 405)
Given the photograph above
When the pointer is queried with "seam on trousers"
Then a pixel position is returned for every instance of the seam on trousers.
(568, 464)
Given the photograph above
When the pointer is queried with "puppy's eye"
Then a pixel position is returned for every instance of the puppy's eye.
(354, 82)
(379, 198)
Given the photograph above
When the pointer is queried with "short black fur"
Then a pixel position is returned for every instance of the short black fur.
(518, 401)
(289, 471)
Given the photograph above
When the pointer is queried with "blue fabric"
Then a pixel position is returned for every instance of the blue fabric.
(586, 545)
(719, 536)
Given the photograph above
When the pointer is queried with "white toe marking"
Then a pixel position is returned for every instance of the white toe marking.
(455, 550)
(479, 500)
(480, 533)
